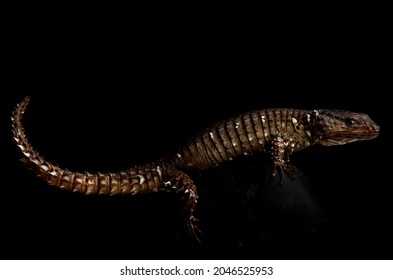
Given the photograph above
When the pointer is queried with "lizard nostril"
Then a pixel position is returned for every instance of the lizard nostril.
(375, 129)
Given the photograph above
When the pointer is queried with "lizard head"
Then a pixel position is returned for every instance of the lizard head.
(338, 127)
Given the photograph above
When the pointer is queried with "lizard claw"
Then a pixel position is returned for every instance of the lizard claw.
(286, 167)
(290, 170)
(193, 229)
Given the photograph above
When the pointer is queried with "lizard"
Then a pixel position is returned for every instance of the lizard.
(276, 131)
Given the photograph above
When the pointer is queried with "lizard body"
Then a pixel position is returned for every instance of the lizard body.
(279, 132)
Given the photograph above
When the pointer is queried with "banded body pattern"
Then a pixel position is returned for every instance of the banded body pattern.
(244, 135)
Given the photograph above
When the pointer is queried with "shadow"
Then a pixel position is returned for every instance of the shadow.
(242, 206)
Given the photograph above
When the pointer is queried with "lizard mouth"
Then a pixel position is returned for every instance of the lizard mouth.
(370, 133)
(344, 136)
(347, 136)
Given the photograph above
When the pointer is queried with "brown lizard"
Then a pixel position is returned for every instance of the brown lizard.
(279, 132)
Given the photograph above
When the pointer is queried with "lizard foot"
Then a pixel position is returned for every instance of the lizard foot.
(192, 229)
(287, 167)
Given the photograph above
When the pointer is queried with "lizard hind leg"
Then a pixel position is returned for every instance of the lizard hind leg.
(182, 184)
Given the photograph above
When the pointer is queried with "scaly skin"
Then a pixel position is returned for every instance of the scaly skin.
(279, 132)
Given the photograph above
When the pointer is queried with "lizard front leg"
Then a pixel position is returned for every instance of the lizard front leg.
(182, 184)
(280, 152)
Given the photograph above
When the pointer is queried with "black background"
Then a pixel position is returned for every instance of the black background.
(105, 100)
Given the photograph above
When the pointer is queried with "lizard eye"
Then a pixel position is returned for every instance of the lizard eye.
(350, 122)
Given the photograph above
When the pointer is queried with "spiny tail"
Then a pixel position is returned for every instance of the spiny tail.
(144, 178)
